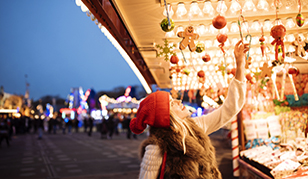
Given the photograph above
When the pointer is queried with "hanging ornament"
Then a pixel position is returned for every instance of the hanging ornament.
(174, 59)
(299, 46)
(166, 50)
(266, 71)
(278, 32)
(165, 25)
(231, 71)
(200, 47)
(293, 71)
(206, 57)
(201, 74)
(262, 44)
(250, 78)
(188, 38)
(221, 38)
(300, 20)
(219, 22)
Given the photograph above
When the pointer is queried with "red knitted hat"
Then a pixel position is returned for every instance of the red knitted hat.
(154, 111)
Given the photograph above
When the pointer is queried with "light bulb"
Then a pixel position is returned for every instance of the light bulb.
(181, 11)
(255, 26)
(221, 7)
(78, 2)
(224, 30)
(234, 27)
(249, 6)
(170, 11)
(290, 23)
(208, 8)
(194, 9)
(290, 38)
(267, 25)
(289, 4)
(212, 29)
(83, 7)
(201, 29)
(263, 4)
(278, 22)
(180, 29)
(245, 26)
(235, 6)
(169, 34)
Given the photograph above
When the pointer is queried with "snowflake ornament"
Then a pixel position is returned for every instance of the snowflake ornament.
(166, 50)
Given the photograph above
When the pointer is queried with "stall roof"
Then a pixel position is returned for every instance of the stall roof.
(135, 24)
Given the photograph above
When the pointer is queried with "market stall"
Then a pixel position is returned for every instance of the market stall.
(187, 47)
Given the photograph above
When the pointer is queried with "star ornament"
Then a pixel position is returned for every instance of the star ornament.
(266, 70)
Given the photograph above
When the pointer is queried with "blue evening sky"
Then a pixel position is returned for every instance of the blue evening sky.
(54, 46)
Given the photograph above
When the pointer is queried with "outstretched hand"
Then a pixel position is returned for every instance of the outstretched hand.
(240, 50)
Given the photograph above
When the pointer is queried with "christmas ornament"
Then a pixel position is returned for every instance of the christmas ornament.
(206, 57)
(300, 20)
(266, 71)
(165, 25)
(299, 46)
(166, 50)
(188, 38)
(174, 59)
(221, 38)
(278, 32)
(200, 47)
(219, 22)
(293, 71)
(201, 74)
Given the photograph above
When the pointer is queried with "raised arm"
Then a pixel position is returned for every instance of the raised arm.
(235, 98)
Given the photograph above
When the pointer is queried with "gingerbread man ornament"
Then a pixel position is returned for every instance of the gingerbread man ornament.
(299, 45)
(188, 38)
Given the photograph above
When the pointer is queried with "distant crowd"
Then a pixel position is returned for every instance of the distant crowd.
(108, 127)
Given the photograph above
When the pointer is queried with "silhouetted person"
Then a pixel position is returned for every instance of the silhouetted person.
(110, 125)
(104, 129)
(4, 132)
(91, 120)
(40, 128)
(76, 123)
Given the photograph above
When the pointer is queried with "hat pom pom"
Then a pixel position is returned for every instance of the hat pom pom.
(135, 127)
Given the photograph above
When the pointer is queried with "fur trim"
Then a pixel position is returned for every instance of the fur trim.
(199, 160)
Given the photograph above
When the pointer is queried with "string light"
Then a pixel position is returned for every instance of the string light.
(255, 26)
(234, 27)
(181, 11)
(221, 7)
(194, 9)
(208, 8)
(267, 25)
(249, 6)
(290, 23)
(263, 5)
(235, 6)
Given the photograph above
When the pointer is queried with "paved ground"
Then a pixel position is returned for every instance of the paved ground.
(78, 156)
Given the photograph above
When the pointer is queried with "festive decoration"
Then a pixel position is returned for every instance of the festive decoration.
(262, 44)
(299, 46)
(219, 22)
(174, 59)
(206, 57)
(250, 78)
(201, 74)
(166, 50)
(266, 71)
(221, 38)
(188, 38)
(278, 32)
(165, 25)
(293, 71)
(200, 47)
(300, 20)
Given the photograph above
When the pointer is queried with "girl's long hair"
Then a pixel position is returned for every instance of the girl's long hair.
(180, 126)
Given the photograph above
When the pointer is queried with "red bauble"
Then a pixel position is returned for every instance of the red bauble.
(293, 71)
(219, 22)
(221, 38)
(278, 31)
(201, 74)
(233, 71)
(206, 58)
(262, 39)
(248, 77)
(174, 59)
